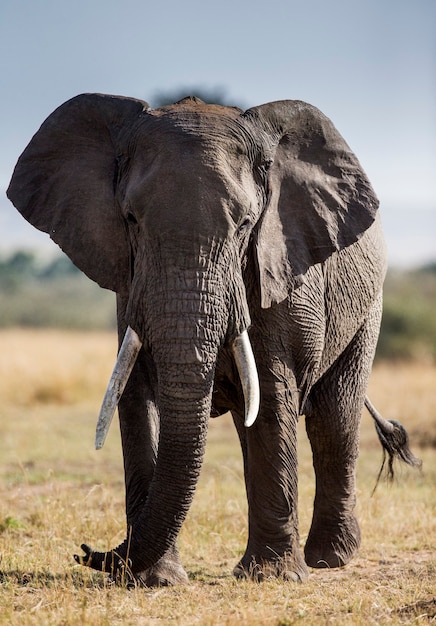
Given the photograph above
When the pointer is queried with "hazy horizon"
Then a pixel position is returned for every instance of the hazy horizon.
(370, 67)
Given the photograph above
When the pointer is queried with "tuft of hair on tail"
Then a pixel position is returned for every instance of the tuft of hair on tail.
(395, 444)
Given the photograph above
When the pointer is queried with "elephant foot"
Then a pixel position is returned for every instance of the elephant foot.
(167, 572)
(288, 567)
(332, 543)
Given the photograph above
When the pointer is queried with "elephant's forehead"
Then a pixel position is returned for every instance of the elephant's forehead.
(203, 124)
(190, 109)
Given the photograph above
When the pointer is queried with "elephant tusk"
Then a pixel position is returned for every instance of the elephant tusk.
(246, 365)
(126, 360)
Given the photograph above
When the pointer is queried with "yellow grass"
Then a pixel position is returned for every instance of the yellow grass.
(56, 491)
(54, 367)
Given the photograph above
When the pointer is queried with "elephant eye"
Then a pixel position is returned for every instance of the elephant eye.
(246, 223)
(131, 218)
(264, 166)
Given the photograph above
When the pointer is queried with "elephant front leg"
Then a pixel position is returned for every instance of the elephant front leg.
(270, 464)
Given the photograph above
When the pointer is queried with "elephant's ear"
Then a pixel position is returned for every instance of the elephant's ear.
(320, 200)
(64, 184)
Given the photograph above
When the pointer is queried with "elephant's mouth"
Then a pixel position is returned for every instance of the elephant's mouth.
(128, 353)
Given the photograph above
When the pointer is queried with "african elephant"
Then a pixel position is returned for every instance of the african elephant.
(232, 239)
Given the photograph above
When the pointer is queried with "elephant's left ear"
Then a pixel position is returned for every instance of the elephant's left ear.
(320, 200)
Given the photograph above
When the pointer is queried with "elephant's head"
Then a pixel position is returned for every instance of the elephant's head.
(165, 207)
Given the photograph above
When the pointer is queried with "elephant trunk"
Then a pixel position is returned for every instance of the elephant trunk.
(184, 333)
(184, 414)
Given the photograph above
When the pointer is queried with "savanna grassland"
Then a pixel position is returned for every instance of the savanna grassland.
(56, 491)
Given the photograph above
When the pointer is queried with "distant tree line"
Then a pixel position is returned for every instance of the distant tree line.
(54, 293)
(51, 293)
(213, 95)
(408, 330)
(24, 267)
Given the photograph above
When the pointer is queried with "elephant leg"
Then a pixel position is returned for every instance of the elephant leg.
(139, 427)
(270, 464)
(333, 415)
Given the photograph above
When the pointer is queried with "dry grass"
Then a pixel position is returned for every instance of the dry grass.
(56, 491)
(54, 366)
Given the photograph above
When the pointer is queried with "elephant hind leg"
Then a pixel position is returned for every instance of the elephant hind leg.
(332, 423)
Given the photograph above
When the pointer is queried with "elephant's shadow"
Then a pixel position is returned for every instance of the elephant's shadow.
(44, 579)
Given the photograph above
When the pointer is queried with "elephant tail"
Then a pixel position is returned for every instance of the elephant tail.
(395, 443)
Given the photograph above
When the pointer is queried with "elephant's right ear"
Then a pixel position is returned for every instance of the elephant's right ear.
(64, 184)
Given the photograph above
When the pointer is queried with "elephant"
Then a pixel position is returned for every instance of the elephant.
(247, 256)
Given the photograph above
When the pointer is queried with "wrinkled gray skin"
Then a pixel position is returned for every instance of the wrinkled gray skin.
(207, 221)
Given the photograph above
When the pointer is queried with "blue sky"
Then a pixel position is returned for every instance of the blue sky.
(370, 65)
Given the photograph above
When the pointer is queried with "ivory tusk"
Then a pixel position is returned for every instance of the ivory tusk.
(123, 367)
(246, 365)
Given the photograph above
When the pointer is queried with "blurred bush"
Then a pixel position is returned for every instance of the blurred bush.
(215, 95)
(408, 330)
(56, 294)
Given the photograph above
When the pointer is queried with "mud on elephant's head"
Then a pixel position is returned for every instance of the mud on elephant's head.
(180, 210)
